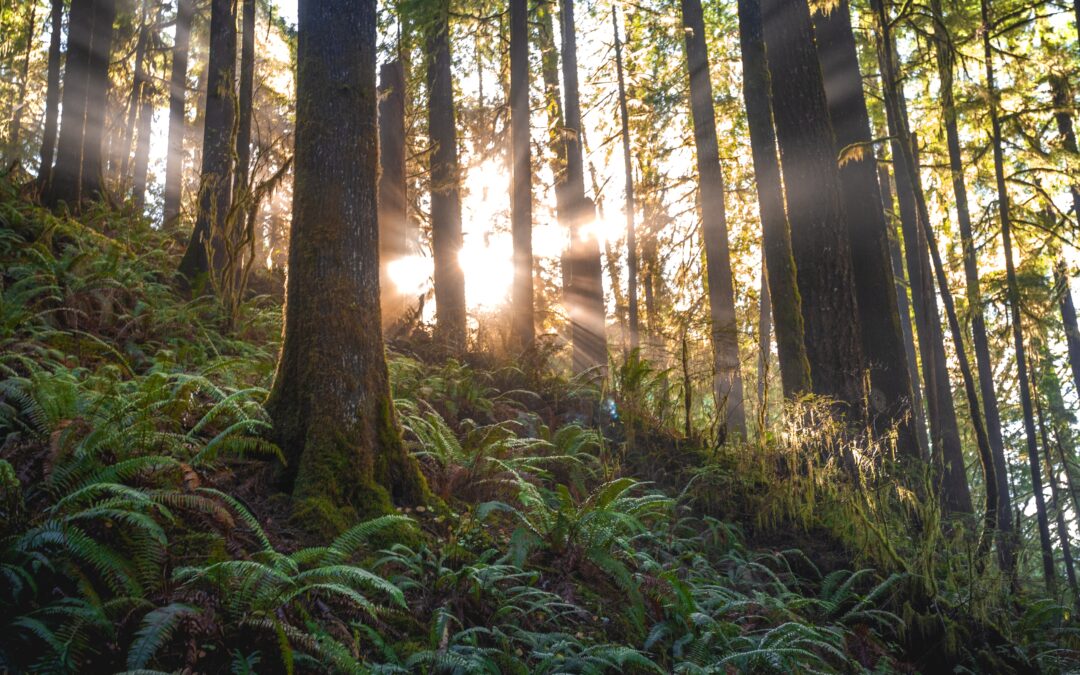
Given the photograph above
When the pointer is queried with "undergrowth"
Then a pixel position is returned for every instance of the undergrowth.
(140, 529)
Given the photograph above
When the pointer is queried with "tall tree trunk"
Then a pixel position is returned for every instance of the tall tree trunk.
(812, 183)
(764, 342)
(1059, 88)
(24, 81)
(174, 160)
(142, 149)
(775, 232)
(245, 99)
(947, 453)
(1014, 305)
(52, 95)
(76, 175)
(943, 47)
(134, 106)
(628, 169)
(903, 308)
(216, 179)
(727, 385)
(1056, 502)
(891, 394)
(445, 184)
(523, 331)
(585, 292)
(1068, 321)
(331, 406)
(393, 186)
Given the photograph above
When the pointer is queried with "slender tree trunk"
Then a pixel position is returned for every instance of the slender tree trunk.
(782, 281)
(1068, 321)
(896, 259)
(947, 455)
(174, 161)
(393, 185)
(891, 394)
(331, 406)
(245, 98)
(142, 149)
(1014, 305)
(943, 47)
(134, 106)
(52, 95)
(764, 341)
(727, 385)
(1059, 88)
(628, 169)
(1056, 502)
(812, 184)
(445, 185)
(585, 292)
(24, 81)
(523, 331)
(216, 178)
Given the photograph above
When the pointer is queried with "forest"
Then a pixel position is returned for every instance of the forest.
(539, 336)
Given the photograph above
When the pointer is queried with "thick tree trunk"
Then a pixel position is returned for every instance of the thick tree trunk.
(628, 170)
(947, 453)
(174, 161)
(727, 385)
(585, 292)
(216, 177)
(523, 331)
(76, 175)
(891, 394)
(393, 186)
(1014, 306)
(983, 361)
(775, 232)
(330, 404)
(445, 185)
(52, 95)
(812, 183)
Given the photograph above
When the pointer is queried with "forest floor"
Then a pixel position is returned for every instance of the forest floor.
(141, 528)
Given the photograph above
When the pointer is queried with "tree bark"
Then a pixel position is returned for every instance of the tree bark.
(216, 178)
(727, 383)
(76, 175)
(812, 184)
(331, 406)
(943, 47)
(946, 454)
(52, 95)
(174, 161)
(523, 332)
(1056, 502)
(1013, 288)
(245, 98)
(628, 170)
(393, 186)
(782, 281)
(585, 291)
(142, 149)
(445, 184)
(891, 394)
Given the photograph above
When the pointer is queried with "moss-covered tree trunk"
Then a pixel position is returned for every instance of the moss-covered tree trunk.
(216, 177)
(727, 382)
(890, 400)
(782, 283)
(812, 185)
(446, 238)
(174, 160)
(331, 407)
